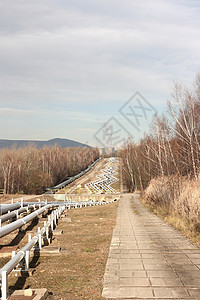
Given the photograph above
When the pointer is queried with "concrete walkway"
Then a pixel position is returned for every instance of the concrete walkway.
(148, 259)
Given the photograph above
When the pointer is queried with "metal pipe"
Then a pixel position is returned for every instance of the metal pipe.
(21, 254)
(24, 253)
(14, 214)
(4, 208)
(73, 178)
(13, 262)
(19, 223)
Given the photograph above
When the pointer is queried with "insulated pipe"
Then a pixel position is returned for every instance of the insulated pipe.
(13, 262)
(36, 203)
(24, 254)
(56, 203)
(9, 207)
(15, 213)
(73, 178)
(19, 223)
(21, 254)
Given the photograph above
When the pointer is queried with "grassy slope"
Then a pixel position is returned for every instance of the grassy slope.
(78, 274)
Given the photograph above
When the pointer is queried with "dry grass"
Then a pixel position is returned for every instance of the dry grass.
(7, 198)
(177, 200)
(78, 273)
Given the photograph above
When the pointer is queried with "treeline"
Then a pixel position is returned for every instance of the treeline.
(166, 163)
(173, 147)
(30, 170)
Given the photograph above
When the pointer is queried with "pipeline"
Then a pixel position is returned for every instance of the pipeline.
(4, 208)
(72, 179)
(24, 253)
(16, 213)
(19, 223)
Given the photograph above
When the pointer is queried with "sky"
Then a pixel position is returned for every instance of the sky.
(85, 69)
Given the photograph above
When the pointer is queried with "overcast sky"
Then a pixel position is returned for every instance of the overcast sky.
(67, 66)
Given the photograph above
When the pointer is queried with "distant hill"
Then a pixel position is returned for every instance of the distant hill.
(63, 143)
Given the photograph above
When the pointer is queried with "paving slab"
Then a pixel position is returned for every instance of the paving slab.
(38, 294)
(148, 259)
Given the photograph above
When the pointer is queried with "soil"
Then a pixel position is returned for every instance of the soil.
(77, 271)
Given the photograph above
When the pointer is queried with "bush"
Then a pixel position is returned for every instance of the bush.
(176, 195)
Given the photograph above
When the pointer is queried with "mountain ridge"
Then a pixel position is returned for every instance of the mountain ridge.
(63, 143)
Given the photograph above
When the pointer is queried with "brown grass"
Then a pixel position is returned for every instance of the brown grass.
(177, 200)
(7, 198)
(78, 272)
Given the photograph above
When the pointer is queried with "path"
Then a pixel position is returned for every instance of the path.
(148, 259)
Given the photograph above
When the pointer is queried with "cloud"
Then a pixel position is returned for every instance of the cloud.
(80, 54)
(76, 116)
(14, 111)
(90, 130)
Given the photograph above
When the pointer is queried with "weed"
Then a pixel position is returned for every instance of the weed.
(177, 201)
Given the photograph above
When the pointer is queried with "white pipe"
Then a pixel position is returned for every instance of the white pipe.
(20, 222)
(14, 214)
